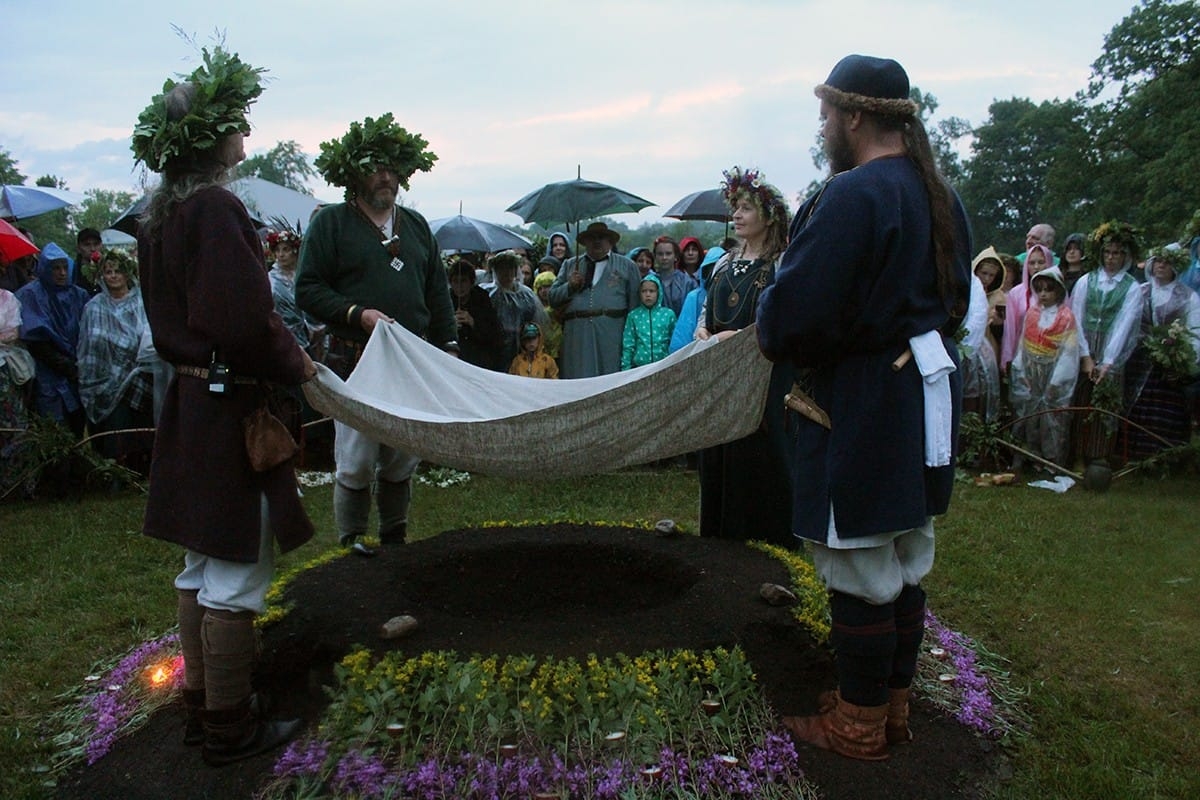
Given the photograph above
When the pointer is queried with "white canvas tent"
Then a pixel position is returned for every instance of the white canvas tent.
(266, 200)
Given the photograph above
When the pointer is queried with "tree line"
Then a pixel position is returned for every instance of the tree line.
(1126, 147)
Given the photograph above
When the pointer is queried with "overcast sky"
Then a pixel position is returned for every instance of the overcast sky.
(656, 96)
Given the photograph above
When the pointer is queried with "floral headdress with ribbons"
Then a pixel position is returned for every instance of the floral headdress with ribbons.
(125, 264)
(276, 238)
(764, 196)
(1121, 233)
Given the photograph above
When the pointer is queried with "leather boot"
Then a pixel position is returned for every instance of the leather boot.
(193, 721)
(230, 649)
(191, 620)
(232, 734)
(393, 499)
(351, 511)
(897, 717)
(846, 729)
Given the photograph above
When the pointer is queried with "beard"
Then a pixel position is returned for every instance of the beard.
(379, 193)
(838, 150)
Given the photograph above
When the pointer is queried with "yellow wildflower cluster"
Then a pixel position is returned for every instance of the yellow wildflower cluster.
(276, 610)
(437, 696)
(812, 610)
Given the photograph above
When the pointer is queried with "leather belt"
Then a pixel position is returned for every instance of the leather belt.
(598, 312)
(202, 372)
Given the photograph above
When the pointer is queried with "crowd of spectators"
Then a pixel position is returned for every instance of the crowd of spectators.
(1052, 334)
(1088, 354)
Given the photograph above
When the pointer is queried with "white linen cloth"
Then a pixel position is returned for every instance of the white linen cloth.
(935, 366)
(412, 396)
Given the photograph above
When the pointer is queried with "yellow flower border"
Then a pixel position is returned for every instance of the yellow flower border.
(812, 610)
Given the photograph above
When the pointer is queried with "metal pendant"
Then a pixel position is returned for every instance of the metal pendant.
(397, 264)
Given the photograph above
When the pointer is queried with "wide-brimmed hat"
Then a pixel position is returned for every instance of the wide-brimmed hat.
(598, 230)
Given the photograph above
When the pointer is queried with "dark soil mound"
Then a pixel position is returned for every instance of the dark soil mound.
(562, 590)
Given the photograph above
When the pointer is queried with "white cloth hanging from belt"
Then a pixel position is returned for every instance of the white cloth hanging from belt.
(935, 366)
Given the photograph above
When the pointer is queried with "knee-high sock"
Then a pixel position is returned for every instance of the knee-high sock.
(230, 648)
(910, 629)
(393, 499)
(864, 644)
(351, 511)
(191, 615)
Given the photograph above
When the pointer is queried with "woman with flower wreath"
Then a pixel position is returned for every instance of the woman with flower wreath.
(284, 248)
(1165, 359)
(209, 304)
(744, 484)
(116, 389)
(1107, 305)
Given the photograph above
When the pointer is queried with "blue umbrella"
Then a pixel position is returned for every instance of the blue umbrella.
(21, 202)
(475, 235)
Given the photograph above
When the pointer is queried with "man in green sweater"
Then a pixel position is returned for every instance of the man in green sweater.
(366, 261)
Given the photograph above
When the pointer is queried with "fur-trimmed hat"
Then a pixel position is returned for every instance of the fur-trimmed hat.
(866, 83)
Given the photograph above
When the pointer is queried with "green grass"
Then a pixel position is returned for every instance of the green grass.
(1095, 599)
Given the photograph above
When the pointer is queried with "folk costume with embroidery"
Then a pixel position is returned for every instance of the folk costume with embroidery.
(1044, 374)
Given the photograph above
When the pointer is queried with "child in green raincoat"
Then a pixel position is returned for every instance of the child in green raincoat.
(648, 327)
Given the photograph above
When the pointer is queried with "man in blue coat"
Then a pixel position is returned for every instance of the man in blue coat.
(873, 283)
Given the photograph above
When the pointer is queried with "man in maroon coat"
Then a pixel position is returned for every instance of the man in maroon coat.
(208, 300)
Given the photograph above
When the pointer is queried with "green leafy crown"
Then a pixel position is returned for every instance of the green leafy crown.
(370, 145)
(225, 87)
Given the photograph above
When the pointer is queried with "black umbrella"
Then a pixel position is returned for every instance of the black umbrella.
(567, 202)
(128, 221)
(475, 235)
(706, 205)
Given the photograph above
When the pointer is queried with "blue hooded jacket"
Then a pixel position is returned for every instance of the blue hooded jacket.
(1191, 276)
(50, 316)
(689, 315)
